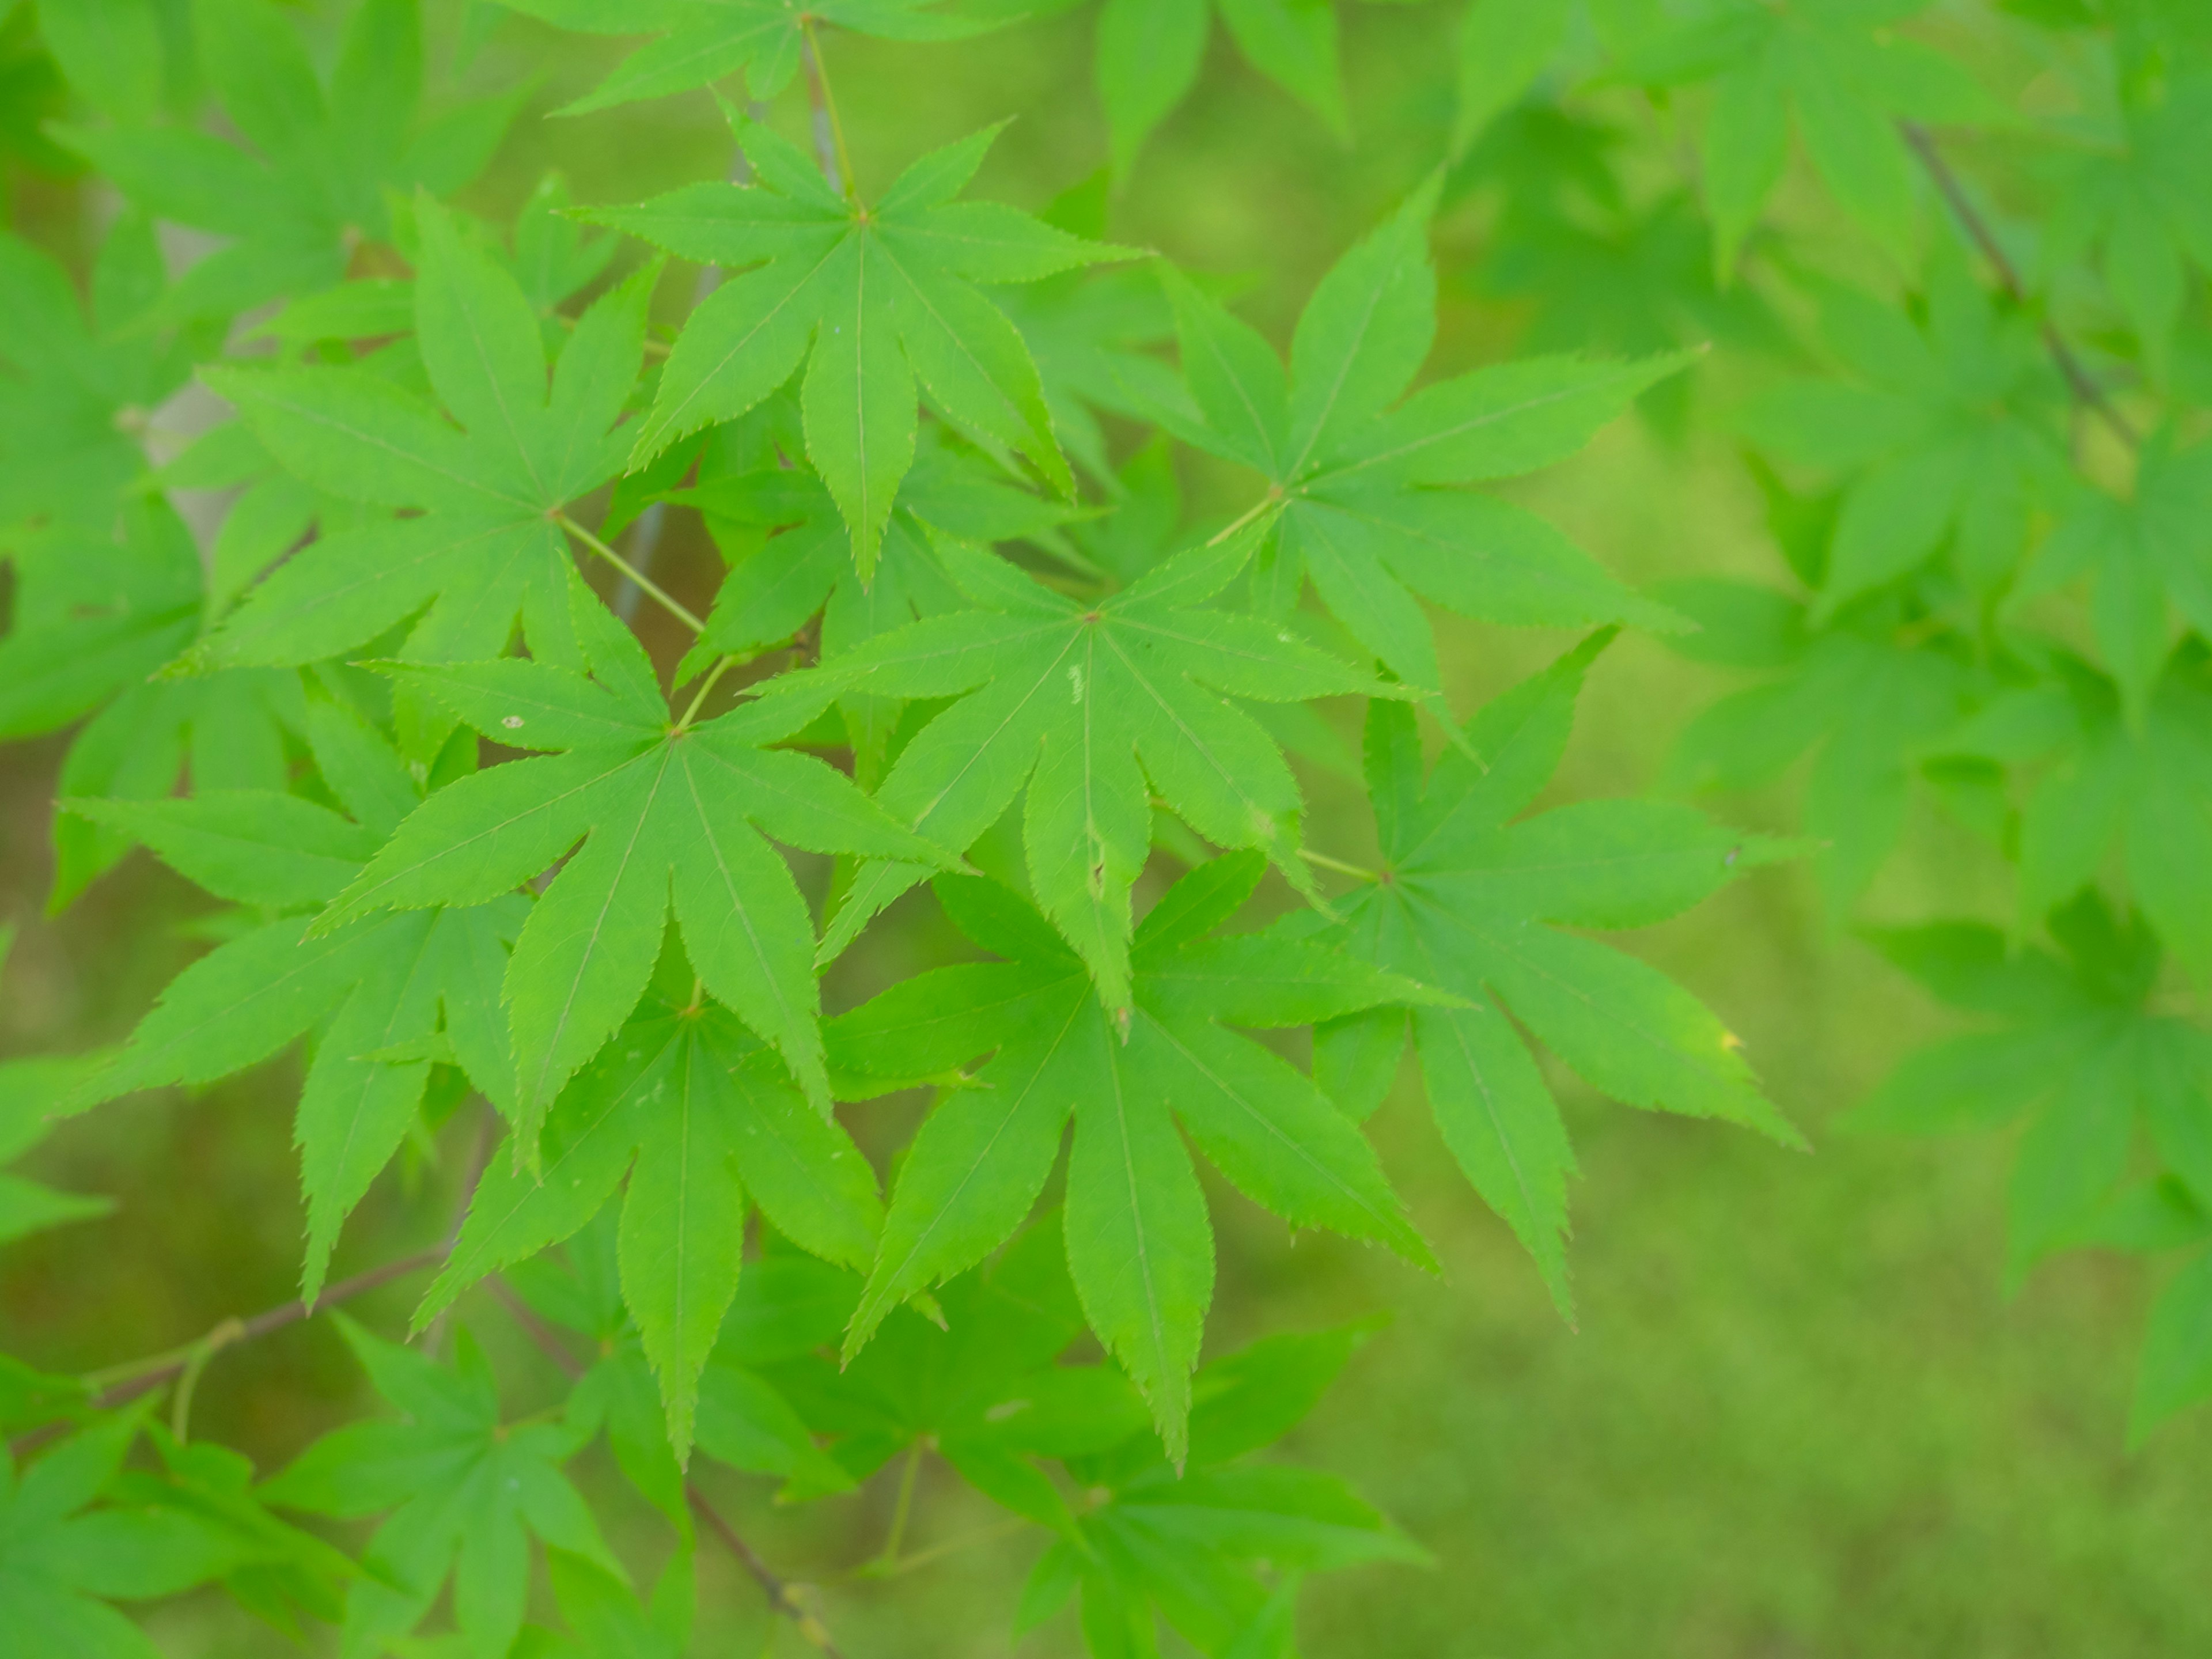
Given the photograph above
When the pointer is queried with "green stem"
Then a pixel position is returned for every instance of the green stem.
(838, 167)
(667, 601)
(1328, 863)
(1272, 499)
(181, 1405)
(720, 668)
(889, 1561)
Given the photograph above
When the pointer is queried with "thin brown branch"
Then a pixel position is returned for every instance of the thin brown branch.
(121, 1384)
(2079, 380)
(783, 1599)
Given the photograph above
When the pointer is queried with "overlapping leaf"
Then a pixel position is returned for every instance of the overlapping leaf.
(1095, 708)
(481, 544)
(666, 812)
(704, 1121)
(1943, 437)
(698, 43)
(1139, 1242)
(1353, 502)
(881, 300)
(462, 1491)
(387, 997)
(1843, 73)
(323, 154)
(1472, 902)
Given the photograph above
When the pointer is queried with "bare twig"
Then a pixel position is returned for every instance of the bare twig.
(2079, 380)
(782, 1598)
(120, 1385)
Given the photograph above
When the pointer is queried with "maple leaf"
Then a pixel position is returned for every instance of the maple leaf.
(984, 1389)
(1149, 51)
(701, 42)
(1846, 77)
(702, 1119)
(76, 388)
(1139, 1242)
(1351, 502)
(784, 1303)
(324, 152)
(1095, 706)
(1219, 1547)
(373, 992)
(65, 1555)
(464, 1491)
(878, 300)
(666, 811)
(1945, 433)
(1473, 902)
(485, 543)
(2086, 1047)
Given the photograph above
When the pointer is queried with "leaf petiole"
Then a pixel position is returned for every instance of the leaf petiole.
(836, 160)
(667, 601)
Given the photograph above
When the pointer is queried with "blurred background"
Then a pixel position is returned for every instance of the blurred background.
(1800, 1416)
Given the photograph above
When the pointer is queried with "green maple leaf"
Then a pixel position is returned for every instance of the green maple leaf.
(2146, 557)
(62, 1560)
(2131, 200)
(77, 384)
(2082, 1050)
(1945, 433)
(1095, 706)
(1139, 1246)
(324, 153)
(1352, 495)
(984, 1389)
(1870, 708)
(482, 542)
(372, 991)
(667, 812)
(2106, 776)
(1219, 1548)
(31, 1092)
(785, 1303)
(880, 301)
(1149, 51)
(701, 42)
(702, 1118)
(464, 1491)
(1847, 79)
(1477, 903)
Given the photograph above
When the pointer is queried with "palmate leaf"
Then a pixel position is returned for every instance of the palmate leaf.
(984, 1390)
(1476, 903)
(1944, 436)
(785, 1303)
(2145, 558)
(2105, 778)
(699, 43)
(65, 1556)
(880, 301)
(2129, 199)
(483, 546)
(1095, 708)
(667, 813)
(464, 1492)
(386, 985)
(323, 152)
(1219, 1548)
(702, 1119)
(2079, 1049)
(1139, 1242)
(1148, 54)
(1354, 505)
(75, 389)
(1847, 78)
